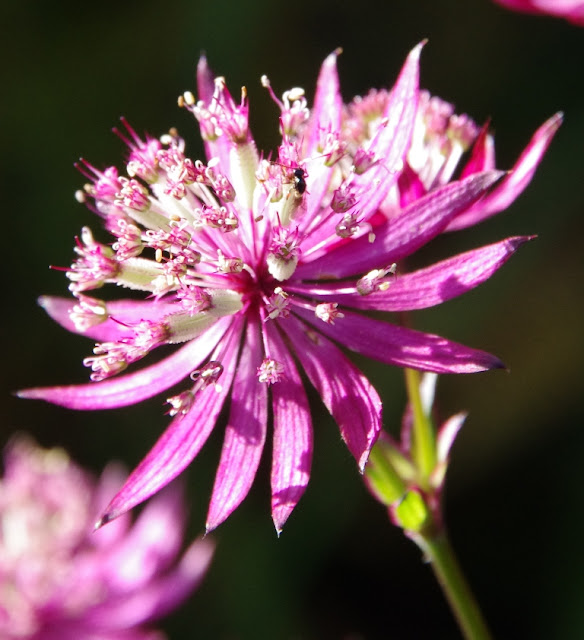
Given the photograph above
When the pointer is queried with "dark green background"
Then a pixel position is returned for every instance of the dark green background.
(339, 571)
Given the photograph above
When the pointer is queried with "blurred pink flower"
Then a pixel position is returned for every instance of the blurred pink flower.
(260, 265)
(60, 580)
(572, 10)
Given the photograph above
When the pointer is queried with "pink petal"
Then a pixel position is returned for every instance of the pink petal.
(426, 287)
(123, 314)
(345, 391)
(515, 181)
(326, 116)
(400, 236)
(328, 104)
(293, 438)
(181, 441)
(205, 80)
(391, 145)
(411, 188)
(402, 347)
(245, 433)
(134, 387)
(482, 156)
(572, 10)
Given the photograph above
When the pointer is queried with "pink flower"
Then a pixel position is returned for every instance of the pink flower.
(260, 268)
(60, 580)
(572, 10)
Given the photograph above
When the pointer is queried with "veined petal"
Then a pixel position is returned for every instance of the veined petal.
(326, 116)
(181, 441)
(293, 437)
(400, 236)
(389, 146)
(345, 391)
(426, 287)
(122, 315)
(402, 347)
(245, 433)
(134, 387)
(328, 104)
(515, 181)
(393, 140)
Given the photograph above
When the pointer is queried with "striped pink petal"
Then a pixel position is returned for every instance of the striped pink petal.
(402, 347)
(134, 387)
(515, 181)
(181, 441)
(392, 142)
(426, 287)
(293, 439)
(345, 391)
(245, 433)
(326, 116)
(122, 315)
(401, 236)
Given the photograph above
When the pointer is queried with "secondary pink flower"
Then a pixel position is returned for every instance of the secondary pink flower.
(440, 139)
(572, 10)
(60, 580)
(259, 267)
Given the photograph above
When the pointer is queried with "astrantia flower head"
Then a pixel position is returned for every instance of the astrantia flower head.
(60, 580)
(259, 266)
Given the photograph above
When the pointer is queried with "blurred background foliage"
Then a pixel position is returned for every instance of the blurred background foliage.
(339, 571)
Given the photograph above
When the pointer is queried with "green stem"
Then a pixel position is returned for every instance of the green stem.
(423, 449)
(439, 552)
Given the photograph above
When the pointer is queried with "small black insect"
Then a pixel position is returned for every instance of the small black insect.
(300, 181)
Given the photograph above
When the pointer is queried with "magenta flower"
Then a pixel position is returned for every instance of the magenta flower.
(260, 267)
(572, 10)
(60, 580)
